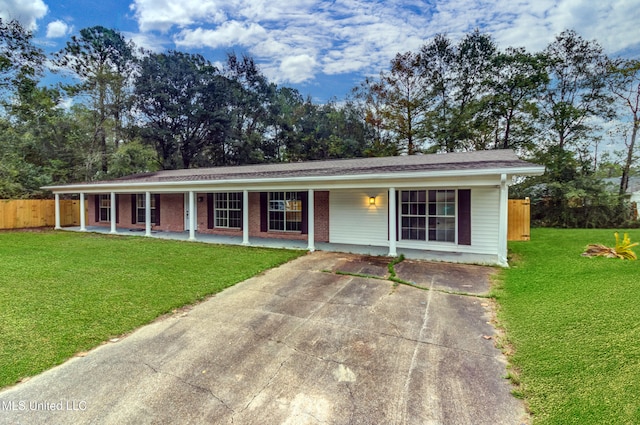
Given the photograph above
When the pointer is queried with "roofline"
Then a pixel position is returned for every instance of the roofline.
(535, 170)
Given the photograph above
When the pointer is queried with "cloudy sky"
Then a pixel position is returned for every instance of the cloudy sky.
(324, 48)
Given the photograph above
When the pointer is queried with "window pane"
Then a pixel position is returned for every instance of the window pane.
(235, 219)
(105, 207)
(285, 211)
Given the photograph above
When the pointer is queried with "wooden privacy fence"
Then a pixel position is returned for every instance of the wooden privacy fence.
(519, 220)
(24, 213)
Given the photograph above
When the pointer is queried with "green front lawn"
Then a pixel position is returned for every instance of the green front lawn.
(574, 326)
(62, 293)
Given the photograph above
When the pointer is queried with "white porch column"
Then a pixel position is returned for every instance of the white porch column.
(147, 213)
(245, 217)
(503, 223)
(192, 215)
(83, 219)
(57, 211)
(392, 222)
(311, 237)
(113, 212)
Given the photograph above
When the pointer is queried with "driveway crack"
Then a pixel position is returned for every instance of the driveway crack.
(425, 319)
(192, 385)
(265, 386)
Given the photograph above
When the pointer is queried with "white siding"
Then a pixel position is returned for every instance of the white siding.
(484, 227)
(353, 221)
(485, 214)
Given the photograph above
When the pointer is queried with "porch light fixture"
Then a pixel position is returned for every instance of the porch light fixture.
(372, 200)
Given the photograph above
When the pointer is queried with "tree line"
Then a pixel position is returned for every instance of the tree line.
(123, 110)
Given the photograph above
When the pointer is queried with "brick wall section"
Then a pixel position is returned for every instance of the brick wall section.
(91, 211)
(171, 213)
(321, 212)
(321, 222)
(172, 216)
(203, 220)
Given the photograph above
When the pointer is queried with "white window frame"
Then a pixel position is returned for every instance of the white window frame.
(288, 206)
(224, 207)
(428, 215)
(104, 207)
(141, 210)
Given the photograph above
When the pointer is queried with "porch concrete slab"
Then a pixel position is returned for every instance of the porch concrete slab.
(298, 344)
(465, 278)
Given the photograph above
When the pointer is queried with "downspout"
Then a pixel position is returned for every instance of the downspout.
(392, 222)
(504, 221)
(310, 221)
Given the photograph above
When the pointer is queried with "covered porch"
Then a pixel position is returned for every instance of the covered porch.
(379, 251)
(307, 214)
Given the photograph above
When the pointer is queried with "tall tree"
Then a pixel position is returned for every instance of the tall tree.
(405, 96)
(283, 112)
(625, 85)
(438, 68)
(181, 97)
(473, 66)
(576, 91)
(103, 62)
(514, 84)
(250, 99)
(20, 59)
(369, 99)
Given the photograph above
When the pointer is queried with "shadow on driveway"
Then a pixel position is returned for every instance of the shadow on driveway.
(299, 344)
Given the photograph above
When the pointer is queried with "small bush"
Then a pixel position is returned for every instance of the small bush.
(622, 250)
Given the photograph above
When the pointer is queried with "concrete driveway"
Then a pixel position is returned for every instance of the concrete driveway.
(299, 344)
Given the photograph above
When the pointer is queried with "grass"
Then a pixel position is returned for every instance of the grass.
(62, 293)
(574, 326)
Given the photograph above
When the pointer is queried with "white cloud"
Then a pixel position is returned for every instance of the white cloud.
(148, 41)
(27, 12)
(293, 40)
(228, 34)
(57, 29)
(162, 15)
(296, 69)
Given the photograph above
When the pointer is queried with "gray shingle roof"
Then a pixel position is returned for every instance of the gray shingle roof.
(360, 166)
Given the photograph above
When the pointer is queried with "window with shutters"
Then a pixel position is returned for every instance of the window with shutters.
(285, 211)
(141, 206)
(428, 215)
(228, 210)
(104, 204)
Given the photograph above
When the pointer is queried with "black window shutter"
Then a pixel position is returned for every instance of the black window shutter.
(210, 221)
(464, 217)
(117, 208)
(134, 209)
(264, 212)
(242, 206)
(304, 200)
(97, 205)
(157, 223)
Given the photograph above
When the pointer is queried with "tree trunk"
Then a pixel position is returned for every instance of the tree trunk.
(624, 180)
